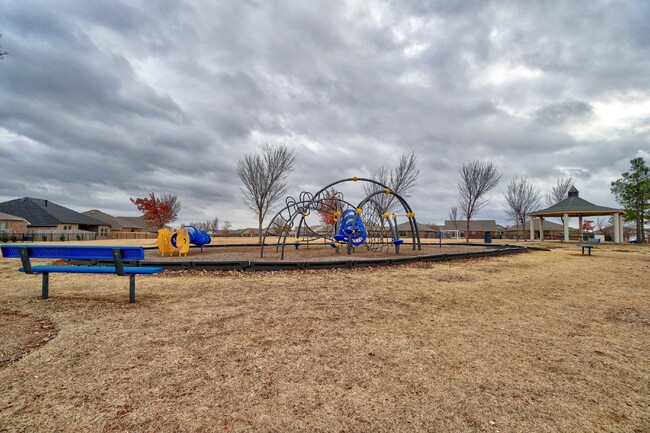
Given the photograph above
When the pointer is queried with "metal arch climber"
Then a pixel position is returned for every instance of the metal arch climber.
(369, 223)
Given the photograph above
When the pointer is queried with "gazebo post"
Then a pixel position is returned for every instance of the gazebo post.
(617, 228)
(531, 226)
(566, 227)
(541, 228)
(580, 231)
(620, 227)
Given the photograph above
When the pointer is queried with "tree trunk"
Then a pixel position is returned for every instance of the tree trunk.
(259, 233)
(640, 230)
(467, 232)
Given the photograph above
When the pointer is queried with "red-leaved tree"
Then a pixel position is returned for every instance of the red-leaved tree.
(156, 212)
(331, 203)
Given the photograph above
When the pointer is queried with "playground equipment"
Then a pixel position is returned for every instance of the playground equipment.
(352, 229)
(370, 223)
(179, 242)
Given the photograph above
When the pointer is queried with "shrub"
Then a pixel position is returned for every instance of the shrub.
(5, 239)
(14, 238)
(78, 237)
(44, 238)
(62, 238)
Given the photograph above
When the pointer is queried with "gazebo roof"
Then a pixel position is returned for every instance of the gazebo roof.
(574, 206)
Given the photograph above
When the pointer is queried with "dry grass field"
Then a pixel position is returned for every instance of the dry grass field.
(544, 341)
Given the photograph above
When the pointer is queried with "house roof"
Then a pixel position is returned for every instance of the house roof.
(44, 213)
(574, 206)
(8, 217)
(114, 222)
(137, 222)
(249, 230)
(474, 225)
(422, 228)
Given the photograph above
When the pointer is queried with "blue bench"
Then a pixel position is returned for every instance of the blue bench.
(592, 242)
(116, 256)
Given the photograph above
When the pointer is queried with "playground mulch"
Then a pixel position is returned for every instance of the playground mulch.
(313, 252)
(546, 341)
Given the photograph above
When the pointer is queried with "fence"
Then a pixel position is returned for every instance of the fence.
(47, 236)
(133, 235)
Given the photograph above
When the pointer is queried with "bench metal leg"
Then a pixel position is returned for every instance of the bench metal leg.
(132, 288)
(46, 285)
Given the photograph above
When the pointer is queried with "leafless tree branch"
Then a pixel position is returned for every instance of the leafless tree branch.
(400, 179)
(521, 198)
(263, 175)
(477, 179)
(559, 191)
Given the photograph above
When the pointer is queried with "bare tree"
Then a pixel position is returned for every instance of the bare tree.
(521, 198)
(213, 225)
(453, 217)
(263, 175)
(559, 191)
(173, 201)
(226, 228)
(604, 225)
(203, 226)
(279, 226)
(400, 179)
(477, 179)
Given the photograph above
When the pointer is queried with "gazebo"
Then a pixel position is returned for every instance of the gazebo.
(574, 206)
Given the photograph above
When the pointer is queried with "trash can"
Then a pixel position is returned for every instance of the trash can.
(488, 238)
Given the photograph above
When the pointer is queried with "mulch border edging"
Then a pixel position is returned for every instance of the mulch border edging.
(257, 266)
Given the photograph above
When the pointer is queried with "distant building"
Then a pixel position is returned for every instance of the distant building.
(424, 230)
(551, 231)
(12, 224)
(136, 224)
(250, 232)
(477, 228)
(46, 216)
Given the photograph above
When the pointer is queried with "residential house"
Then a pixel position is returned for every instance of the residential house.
(121, 225)
(424, 230)
(477, 228)
(250, 232)
(136, 224)
(551, 231)
(45, 216)
(12, 224)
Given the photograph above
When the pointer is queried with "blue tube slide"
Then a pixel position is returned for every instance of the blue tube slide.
(198, 237)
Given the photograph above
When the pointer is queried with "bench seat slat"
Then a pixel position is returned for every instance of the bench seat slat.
(131, 270)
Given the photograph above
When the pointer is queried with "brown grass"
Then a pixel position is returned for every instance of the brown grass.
(545, 341)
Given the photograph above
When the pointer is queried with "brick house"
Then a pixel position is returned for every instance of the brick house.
(46, 216)
(477, 228)
(123, 227)
(12, 224)
(424, 230)
(551, 231)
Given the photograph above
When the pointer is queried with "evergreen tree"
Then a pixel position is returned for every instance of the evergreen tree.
(632, 192)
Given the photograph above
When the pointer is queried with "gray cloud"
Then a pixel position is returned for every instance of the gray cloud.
(107, 100)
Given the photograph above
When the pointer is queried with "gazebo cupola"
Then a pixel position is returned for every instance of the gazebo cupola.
(574, 206)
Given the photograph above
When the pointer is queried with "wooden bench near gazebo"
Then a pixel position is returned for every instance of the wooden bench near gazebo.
(571, 207)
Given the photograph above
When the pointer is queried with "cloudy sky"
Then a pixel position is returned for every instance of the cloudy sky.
(105, 100)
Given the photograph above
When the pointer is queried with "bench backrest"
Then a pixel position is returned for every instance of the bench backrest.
(72, 252)
(593, 240)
